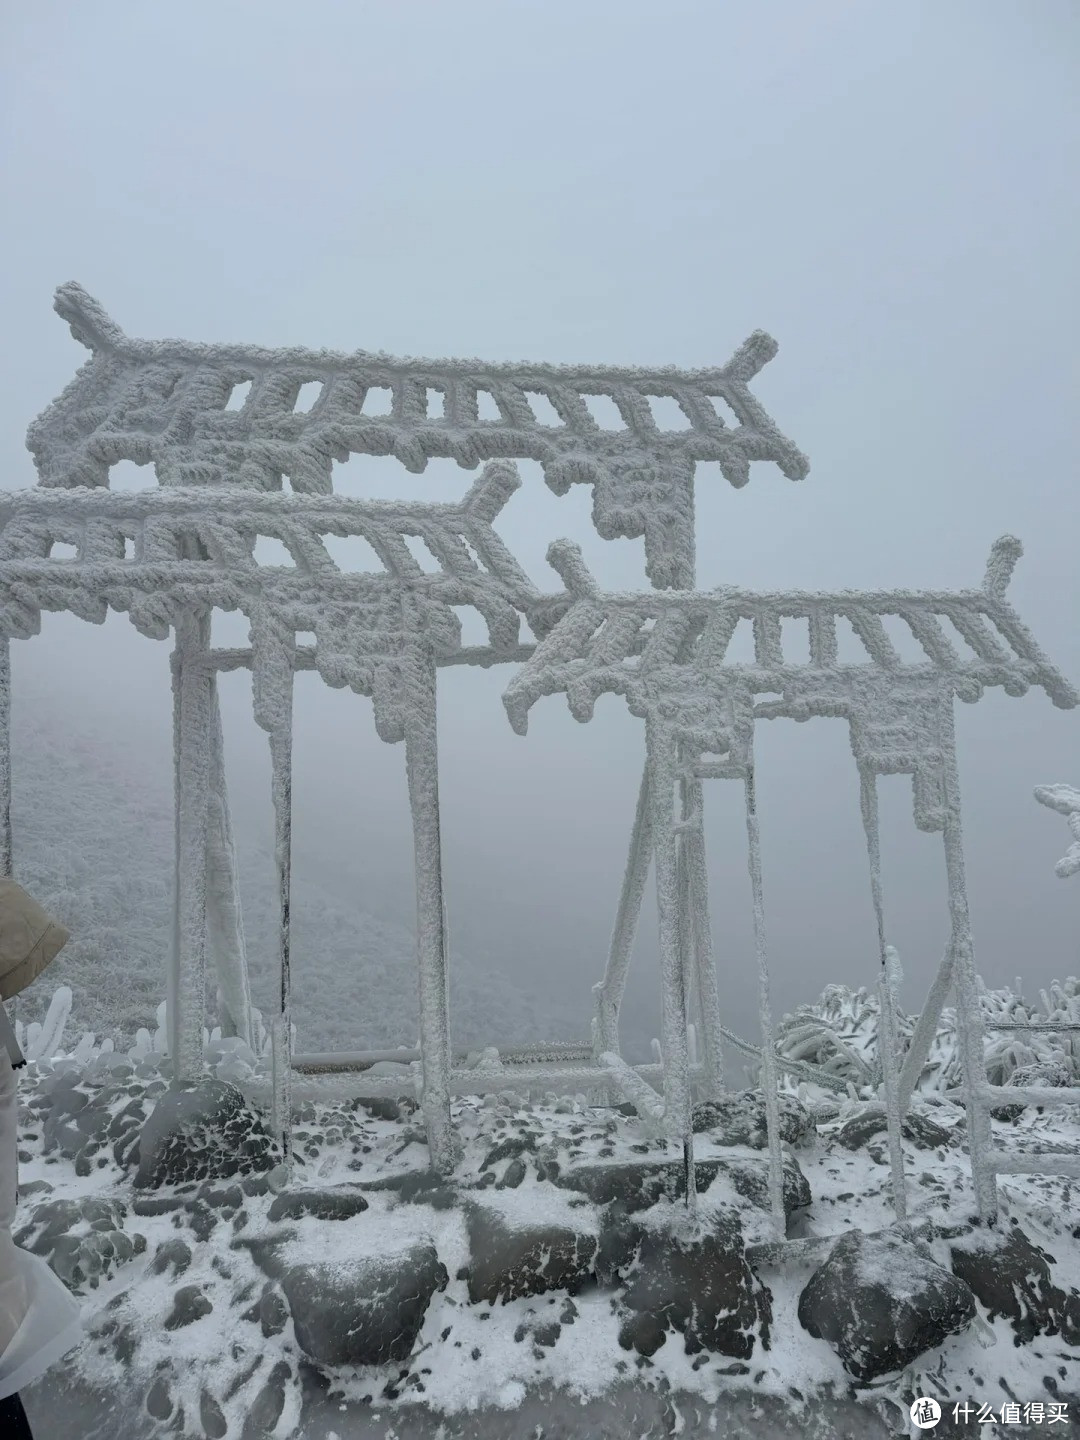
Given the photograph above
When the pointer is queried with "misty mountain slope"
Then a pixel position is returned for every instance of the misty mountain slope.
(93, 838)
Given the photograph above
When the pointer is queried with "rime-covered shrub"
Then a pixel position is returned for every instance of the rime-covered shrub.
(839, 1034)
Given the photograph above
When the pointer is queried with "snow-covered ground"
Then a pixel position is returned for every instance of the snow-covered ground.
(474, 1369)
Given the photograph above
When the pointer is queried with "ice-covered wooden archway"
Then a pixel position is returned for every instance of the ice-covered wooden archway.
(170, 555)
(666, 654)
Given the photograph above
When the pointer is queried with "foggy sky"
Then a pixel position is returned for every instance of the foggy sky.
(889, 190)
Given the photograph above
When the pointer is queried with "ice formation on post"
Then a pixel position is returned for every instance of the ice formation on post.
(664, 652)
(1066, 800)
(224, 918)
(5, 755)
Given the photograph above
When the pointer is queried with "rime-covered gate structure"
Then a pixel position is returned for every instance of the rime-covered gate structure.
(171, 554)
(666, 653)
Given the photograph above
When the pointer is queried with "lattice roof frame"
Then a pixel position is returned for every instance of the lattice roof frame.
(676, 669)
(164, 403)
(189, 555)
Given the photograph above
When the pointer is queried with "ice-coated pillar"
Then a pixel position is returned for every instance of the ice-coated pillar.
(609, 991)
(281, 1027)
(422, 768)
(5, 756)
(699, 926)
(769, 1076)
(663, 785)
(971, 1030)
(224, 917)
(193, 687)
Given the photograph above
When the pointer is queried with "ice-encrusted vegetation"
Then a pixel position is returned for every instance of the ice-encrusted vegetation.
(839, 1033)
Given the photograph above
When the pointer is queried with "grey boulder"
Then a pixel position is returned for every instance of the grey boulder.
(739, 1119)
(881, 1302)
(365, 1311)
(700, 1287)
(1010, 1276)
(338, 1204)
(512, 1258)
(637, 1185)
(201, 1132)
(919, 1129)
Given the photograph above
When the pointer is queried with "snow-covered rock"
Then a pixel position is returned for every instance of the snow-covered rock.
(529, 1250)
(269, 1312)
(698, 1285)
(216, 1240)
(881, 1302)
(739, 1119)
(636, 1185)
(200, 1131)
(1011, 1276)
(84, 1241)
(366, 1310)
(927, 1134)
(341, 1203)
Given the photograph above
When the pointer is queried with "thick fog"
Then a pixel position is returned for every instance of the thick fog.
(889, 190)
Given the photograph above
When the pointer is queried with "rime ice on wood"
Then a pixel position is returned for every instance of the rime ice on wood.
(167, 557)
(381, 634)
(224, 920)
(170, 555)
(665, 653)
(165, 403)
(194, 686)
(1066, 800)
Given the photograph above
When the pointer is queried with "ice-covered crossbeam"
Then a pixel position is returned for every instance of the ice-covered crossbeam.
(160, 553)
(659, 647)
(98, 526)
(167, 404)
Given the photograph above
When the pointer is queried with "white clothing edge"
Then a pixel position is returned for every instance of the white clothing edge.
(53, 1325)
